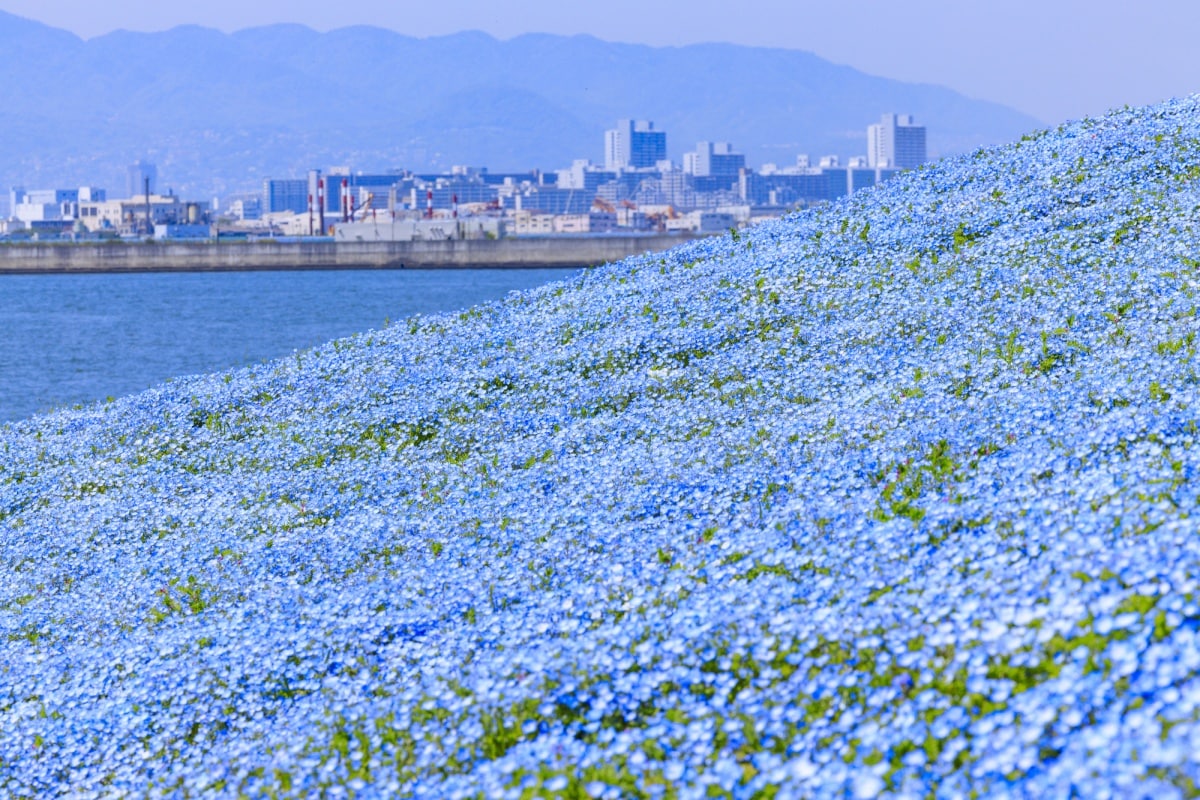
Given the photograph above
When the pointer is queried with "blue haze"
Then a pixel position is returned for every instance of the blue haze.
(219, 112)
(80, 338)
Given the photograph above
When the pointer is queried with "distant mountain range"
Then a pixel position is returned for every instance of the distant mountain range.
(218, 112)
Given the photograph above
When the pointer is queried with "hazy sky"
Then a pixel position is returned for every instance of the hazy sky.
(1054, 59)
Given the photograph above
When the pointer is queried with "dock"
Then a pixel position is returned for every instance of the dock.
(207, 256)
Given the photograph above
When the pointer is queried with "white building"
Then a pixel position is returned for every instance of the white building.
(582, 175)
(592, 222)
(50, 205)
(248, 208)
(896, 142)
(133, 214)
(529, 223)
(289, 223)
(702, 222)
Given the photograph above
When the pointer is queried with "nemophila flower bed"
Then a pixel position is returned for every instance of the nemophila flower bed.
(894, 496)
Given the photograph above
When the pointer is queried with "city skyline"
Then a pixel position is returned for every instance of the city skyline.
(713, 184)
(1054, 61)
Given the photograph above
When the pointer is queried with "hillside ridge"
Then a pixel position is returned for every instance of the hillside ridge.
(891, 497)
(218, 113)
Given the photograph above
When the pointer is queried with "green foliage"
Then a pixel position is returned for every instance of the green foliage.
(402, 434)
(963, 238)
(906, 484)
(181, 597)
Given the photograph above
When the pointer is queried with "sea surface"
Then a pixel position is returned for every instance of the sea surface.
(67, 339)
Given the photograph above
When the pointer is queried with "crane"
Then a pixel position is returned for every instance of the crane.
(366, 206)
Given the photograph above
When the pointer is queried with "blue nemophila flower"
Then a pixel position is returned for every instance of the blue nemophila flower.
(889, 497)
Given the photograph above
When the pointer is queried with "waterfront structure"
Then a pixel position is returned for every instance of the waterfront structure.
(634, 144)
(419, 230)
(896, 142)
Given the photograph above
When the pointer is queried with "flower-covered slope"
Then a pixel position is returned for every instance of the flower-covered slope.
(893, 496)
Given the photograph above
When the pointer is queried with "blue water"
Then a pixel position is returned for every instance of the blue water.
(67, 339)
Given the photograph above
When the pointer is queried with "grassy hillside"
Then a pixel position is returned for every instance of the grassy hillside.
(892, 496)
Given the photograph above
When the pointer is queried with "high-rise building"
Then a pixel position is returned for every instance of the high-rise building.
(896, 142)
(136, 176)
(285, 194)
(634, 144)
(713, 166)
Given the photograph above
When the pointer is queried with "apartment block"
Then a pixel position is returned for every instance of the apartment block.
(634, 144)
(713, 166)
(896, 142)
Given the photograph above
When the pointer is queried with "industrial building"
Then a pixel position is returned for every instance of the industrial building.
(138, 215)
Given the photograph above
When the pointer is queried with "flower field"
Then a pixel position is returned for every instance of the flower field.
(894, 497)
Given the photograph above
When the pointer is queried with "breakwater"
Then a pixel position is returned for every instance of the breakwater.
(267, 255)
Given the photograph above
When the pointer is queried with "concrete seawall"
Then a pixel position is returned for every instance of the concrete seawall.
(230, 256)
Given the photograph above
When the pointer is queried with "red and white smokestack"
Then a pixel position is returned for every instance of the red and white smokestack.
(321, 204)
(351, 207)
(345, 198)
(310, 214)
(429, 204)
(455, 201)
